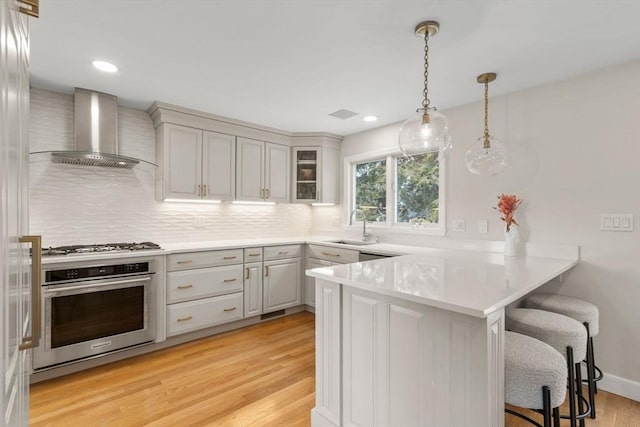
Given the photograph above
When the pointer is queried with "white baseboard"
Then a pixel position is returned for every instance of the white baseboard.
(620, 386)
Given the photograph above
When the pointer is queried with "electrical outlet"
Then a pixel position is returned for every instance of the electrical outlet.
(199, 221)
(459, 225)
(483, 226)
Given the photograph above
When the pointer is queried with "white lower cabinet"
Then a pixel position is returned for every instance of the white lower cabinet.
(253, 289)
(310, 282)
(203, 282)
(204, 289)
(202, 313)
(386, 362)
(324, 256)
(281, 284)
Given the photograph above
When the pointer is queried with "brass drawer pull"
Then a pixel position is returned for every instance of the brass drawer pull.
(266, 271)
(283, 252)
(230, 257)
(254, 254)
(248, 273)
(330, 254)
(229, 309)
(229, 280)
(189, 261)
(184, 319)
(185, 286)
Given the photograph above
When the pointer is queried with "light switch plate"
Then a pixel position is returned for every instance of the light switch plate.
(616, 222)
(483, 226)
(459, 225)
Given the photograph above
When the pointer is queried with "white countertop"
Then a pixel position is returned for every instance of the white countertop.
(472, 283)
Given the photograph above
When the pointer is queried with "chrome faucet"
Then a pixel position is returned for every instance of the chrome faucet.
(365, 235)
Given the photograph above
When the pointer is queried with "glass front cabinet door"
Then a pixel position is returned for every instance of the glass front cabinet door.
(315, 175)
(306, 170)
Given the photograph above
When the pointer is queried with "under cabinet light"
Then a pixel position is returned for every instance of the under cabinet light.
(214, 202)
(241, 202)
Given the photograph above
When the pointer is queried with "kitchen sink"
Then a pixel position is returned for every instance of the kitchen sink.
(355, 242)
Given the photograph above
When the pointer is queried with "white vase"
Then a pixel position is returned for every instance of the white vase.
(511, 240)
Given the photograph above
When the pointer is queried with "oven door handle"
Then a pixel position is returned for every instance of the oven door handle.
(99, 285)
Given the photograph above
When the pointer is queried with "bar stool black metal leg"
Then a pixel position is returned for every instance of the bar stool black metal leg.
(556, 417)
(572, 387)
(591, 373)
(546, 406)
(581, 408)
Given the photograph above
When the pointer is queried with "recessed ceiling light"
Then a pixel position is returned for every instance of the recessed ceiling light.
(370, 118)
(105, 66)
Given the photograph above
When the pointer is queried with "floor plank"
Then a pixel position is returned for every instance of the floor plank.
(263, 375)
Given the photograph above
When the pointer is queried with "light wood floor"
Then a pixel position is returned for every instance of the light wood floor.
(258, 376)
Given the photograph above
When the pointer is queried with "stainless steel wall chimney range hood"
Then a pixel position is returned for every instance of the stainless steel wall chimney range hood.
(96, 133)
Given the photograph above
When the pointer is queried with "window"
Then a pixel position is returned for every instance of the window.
(371, 190)
(418, 179)
(396, 191)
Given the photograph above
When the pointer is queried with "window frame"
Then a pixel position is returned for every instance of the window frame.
(391, 224)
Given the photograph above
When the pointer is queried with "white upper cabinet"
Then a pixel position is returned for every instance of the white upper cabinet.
(277, 173)
(182, 168)
(218, 166)
(250, 170)
(262, 172)
(315, 175)
(195, 164)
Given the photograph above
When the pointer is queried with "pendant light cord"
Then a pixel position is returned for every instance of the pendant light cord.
(425, 92)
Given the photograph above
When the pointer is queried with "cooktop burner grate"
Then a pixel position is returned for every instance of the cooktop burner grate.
(107, 247)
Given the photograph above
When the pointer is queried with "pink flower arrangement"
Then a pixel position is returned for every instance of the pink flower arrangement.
(507, 205)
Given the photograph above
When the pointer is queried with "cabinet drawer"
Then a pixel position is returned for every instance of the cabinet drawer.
(338, 255)
(281, 252)
(193, 315)
(252, 254)
(203, 259)
(203, 282)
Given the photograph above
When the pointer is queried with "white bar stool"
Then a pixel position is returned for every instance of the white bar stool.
(568, 337)
(535, 378)
(585, 313)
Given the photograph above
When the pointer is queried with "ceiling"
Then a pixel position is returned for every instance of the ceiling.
(288, 64)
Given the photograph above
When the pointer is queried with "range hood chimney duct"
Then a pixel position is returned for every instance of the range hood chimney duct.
(95, 133)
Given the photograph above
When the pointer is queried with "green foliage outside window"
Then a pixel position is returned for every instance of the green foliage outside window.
(371, 190)
(418, 178)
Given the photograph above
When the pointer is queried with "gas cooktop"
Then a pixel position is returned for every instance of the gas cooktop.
(105, 248)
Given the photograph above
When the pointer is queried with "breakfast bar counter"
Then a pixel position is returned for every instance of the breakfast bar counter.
(418, 340)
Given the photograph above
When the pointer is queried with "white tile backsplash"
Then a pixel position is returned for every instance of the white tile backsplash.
(82, 205)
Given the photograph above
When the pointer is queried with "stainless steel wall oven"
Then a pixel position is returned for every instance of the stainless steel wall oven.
(93, 308)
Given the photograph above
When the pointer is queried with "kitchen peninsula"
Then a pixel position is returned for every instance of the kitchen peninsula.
(418, 340)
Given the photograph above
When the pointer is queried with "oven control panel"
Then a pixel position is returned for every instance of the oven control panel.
(100, 271)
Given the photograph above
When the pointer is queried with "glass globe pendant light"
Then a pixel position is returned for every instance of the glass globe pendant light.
(427, 130)
(487, 156)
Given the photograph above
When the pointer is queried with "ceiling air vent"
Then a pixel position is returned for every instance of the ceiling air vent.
(343, 114)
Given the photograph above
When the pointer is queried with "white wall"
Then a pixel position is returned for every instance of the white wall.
(577, 155)
(83, 205)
